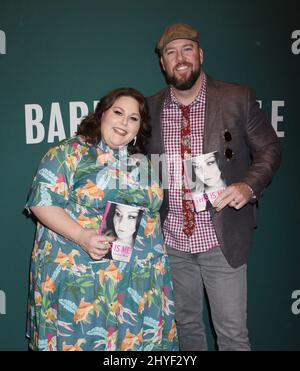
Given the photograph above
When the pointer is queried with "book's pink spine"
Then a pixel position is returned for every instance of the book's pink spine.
(104, 217)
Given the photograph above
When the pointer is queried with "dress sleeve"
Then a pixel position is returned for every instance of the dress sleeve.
(53, 180)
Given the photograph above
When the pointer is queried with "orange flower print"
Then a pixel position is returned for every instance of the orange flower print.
(47, 247)
(35, 249)
(172, 332)
(131, 340)
(74, 347)
(150, 226)
(104, 157)
(51, 314)
(60, 186)
(51, 342)
(150, 194)
(79, 150)
(141, 305)
(48, 285)
(71, 162)
(66, 259)
(112, 272)
(157, 190)
(87, 222)
(83, 311)
(52, 152)
(159, 267)
(91, 190)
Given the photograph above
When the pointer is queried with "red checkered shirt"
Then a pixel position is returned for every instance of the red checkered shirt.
(204, 236)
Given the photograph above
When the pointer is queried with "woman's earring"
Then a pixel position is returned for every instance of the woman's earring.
(134, 140)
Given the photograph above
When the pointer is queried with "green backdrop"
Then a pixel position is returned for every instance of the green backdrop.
(58, 57)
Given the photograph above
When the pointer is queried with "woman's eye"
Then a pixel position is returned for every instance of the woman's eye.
(118, 112)
(132, 217)
(135, 119)
(118, 214)
(210, 163)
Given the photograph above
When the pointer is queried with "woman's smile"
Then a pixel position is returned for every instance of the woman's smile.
(120, 131)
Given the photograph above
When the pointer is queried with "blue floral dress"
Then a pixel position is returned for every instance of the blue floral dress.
(76, 303)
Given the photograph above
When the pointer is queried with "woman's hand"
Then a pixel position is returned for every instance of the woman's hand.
(56, 219)
(95, 245)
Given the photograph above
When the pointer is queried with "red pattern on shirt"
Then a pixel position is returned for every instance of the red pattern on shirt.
(204, 236)
(187, 203)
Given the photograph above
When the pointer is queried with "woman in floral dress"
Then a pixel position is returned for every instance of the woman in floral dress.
(79, 299)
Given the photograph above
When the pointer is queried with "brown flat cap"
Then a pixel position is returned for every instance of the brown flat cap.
(176, 31)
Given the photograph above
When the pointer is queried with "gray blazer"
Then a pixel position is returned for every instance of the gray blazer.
(256, 156)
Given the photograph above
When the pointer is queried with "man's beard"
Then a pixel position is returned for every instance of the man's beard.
(184, 84)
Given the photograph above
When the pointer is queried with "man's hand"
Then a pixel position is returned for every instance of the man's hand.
(236, 195)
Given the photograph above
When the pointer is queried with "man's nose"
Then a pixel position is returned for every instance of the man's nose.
(179, 55)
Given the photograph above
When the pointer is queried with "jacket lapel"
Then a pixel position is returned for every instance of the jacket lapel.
(212, 117)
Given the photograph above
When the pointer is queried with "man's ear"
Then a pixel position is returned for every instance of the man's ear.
(201, 55)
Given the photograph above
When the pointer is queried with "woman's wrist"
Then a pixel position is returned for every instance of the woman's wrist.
(78, 236)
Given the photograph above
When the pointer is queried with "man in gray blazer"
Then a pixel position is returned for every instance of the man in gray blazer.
(194, 115)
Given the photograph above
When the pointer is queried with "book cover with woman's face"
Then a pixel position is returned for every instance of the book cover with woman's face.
(204, 179)
(121, 221)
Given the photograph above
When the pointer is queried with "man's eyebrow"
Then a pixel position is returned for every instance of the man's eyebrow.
(167, 48)
(174, 47)
(188, 44)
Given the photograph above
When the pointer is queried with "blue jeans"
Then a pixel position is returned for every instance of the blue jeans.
(226, 289)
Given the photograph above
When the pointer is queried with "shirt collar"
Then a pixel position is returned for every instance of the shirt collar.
(172, 100)
(118, 153)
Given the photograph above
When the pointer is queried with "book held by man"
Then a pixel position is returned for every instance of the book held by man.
(203, 180)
